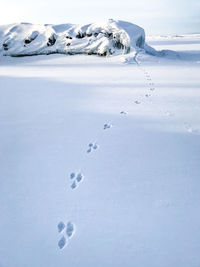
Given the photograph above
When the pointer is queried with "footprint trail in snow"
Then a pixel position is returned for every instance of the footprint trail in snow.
(187, 126)
(77, 178)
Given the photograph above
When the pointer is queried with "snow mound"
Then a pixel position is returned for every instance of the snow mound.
(162, 53)
(110, 38)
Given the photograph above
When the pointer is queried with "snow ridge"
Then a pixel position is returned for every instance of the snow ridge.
(112, 37)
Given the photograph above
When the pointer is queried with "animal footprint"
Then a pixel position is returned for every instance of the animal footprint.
(152, 88)
(137, 102)
(61, 227)
(95, 146)
(74, 185)
(91, 147)
(77, 179)
(147, 95)
(70, 229)
(89, 150)
(107, 126)
(62, 242)
(123, 112)
(72, 175)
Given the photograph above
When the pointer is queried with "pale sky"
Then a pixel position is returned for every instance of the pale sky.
(164, 16)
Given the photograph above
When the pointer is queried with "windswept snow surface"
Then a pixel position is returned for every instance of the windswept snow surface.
(110, 37)
(100, 158)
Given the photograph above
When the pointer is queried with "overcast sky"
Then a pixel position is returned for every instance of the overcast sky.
(155, 16)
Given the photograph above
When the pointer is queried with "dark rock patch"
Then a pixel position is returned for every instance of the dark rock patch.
(31, 38)
(27, 41)
(51, 40)
(81, 35)
(108, 35)
(5, 46)
(118, 45)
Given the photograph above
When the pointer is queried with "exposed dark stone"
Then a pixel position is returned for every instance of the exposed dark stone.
(51, 40)
(31, 38)
(68, 37)
(81, 35)
(5, 46)
(104, 54)
(89, 34)
(110, 52)
(119, 45)
(91, 53)
(96, 34)
(68, 44)
(27, 41)
(107, 34)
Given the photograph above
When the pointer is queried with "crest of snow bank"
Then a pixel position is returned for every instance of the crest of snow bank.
(109, 38)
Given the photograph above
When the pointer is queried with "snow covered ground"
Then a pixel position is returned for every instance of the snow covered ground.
(100, 159)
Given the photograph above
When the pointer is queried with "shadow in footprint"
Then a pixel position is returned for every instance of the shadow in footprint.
(72, 175)
(123, 113)
(107, 126)
(61, 227)
(147, 95)
(70, 229)
(74, 185)
(62, 242)
(137, 102)
(79, 177)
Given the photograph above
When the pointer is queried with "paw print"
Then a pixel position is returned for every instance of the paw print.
(67, 235)
(91, 147)
(76, 178)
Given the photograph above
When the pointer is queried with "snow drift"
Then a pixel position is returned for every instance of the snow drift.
(109, 38)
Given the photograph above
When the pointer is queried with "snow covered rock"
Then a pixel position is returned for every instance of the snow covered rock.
(109, 38)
